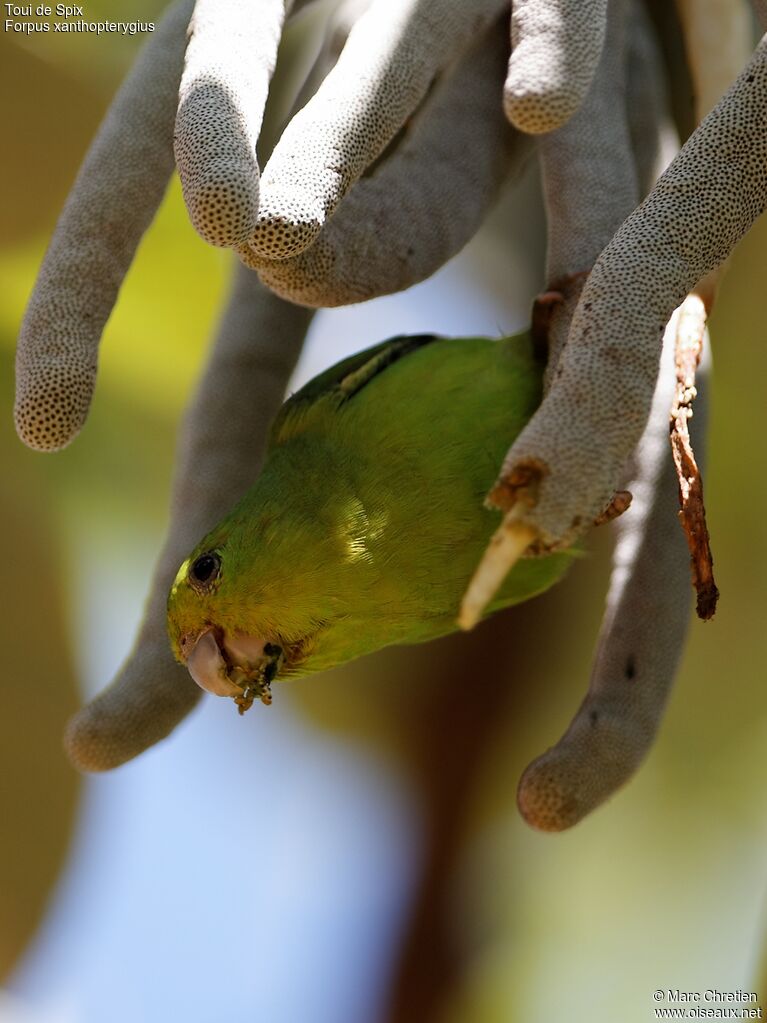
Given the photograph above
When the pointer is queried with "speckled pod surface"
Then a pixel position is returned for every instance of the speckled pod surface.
(230, 59)
(640, 643)
(116, 194)
(575, 446)
(590, 156)
(220, 452)
(422, 204)
(393, 54)
(555, 49)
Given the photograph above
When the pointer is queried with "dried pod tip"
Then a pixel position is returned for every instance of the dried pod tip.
(506, 547)
(546, 799)
(619, 503)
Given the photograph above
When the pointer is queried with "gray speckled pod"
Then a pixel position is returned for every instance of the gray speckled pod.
(394, 52)
(220, 452)
(641, 639)
(120, 185)
(422, 204)
(569, 458)
(230, 59)
(555, 49)
(590, 156)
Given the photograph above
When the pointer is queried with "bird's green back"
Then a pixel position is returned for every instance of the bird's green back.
(368, 519)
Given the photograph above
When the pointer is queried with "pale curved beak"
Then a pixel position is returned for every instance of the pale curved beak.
(223, 672)
(208, 668)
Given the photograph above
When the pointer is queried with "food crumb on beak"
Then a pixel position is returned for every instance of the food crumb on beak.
(235, 665)
(261, 688)
(246, 698)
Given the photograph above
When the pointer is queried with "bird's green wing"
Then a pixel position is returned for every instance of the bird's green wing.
(343, 380)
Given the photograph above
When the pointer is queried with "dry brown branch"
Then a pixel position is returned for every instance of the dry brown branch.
(692, 515)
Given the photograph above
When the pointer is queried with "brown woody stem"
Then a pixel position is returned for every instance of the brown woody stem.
(692, 514)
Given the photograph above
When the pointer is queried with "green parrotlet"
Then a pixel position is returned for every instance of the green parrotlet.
(367, 519)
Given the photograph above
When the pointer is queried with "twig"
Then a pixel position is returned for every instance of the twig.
(690, 333)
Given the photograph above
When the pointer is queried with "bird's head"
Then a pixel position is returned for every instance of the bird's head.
(221, 651)
(249, 604)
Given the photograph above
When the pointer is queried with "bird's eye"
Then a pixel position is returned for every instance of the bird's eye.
(205, 569)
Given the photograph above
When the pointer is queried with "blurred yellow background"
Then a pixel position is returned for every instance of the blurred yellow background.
(662, 888)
